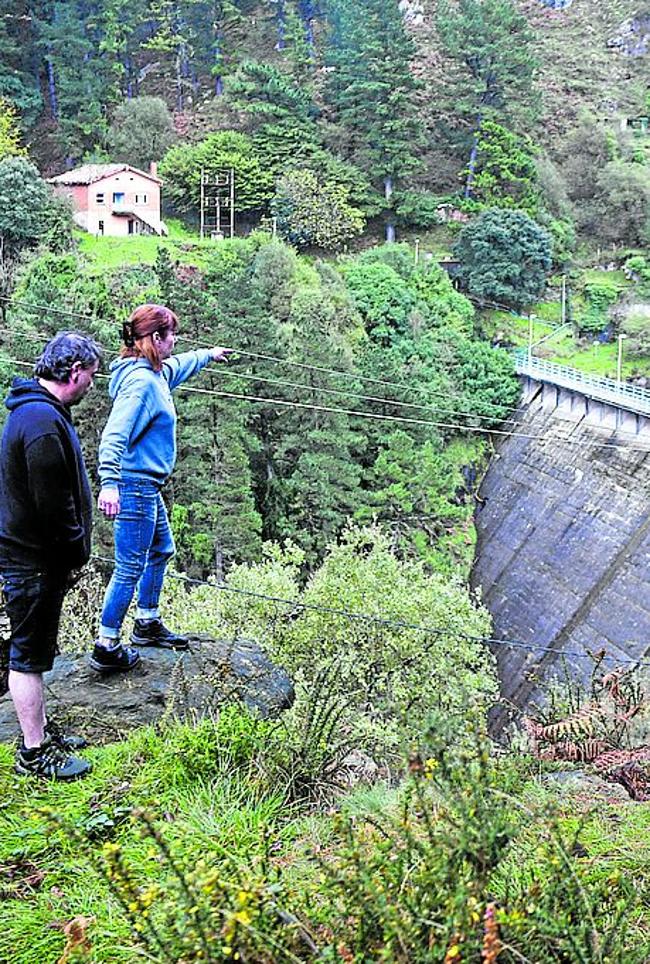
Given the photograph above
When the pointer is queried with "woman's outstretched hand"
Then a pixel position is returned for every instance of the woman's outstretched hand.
(109, 502)
(221, 354)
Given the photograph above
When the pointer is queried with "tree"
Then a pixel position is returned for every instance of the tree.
(506, 173)
(10, 133)
(280, 113)
(19, 83)
(623, 200)
(23, 199)
(490, 41)
(316, 453)
(142, 131)
(227, 150)
(369, 89)
(310, 213)
(76, 78)
(383, 299)
(411, 490)
(504, 257)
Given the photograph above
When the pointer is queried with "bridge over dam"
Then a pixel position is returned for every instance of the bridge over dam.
(563, 522)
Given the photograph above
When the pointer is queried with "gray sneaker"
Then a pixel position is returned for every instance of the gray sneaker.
(50, 761)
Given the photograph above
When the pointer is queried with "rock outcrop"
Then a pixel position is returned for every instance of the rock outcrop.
(186, 685)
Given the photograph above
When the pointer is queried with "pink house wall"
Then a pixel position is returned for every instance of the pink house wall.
(94, 204)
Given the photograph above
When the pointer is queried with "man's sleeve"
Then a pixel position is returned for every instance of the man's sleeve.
(51, 489)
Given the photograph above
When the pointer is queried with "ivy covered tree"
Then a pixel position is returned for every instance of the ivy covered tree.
(490, 43)
(311, 213)
(504, 257)
(10, 133)
(506, 172)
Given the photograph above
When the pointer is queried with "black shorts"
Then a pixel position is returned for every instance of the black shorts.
(33, 600)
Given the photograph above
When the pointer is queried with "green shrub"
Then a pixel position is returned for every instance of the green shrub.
(599, 295)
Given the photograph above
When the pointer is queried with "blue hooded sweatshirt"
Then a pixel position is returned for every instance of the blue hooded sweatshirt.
(139, 440)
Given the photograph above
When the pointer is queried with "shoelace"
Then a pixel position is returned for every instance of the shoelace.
(50, 757)
(55, 732)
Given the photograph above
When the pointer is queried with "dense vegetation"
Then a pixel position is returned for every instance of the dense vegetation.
(379, 424)
(332, 468)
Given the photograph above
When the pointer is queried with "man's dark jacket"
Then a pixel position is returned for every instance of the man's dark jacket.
(45, 497)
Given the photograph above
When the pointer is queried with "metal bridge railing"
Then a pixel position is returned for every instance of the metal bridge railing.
(630, 397)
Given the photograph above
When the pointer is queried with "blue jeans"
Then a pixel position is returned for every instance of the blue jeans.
(143, 546)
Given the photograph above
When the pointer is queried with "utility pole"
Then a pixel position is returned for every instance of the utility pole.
(563, 299)
(202, 234)
(530, 338)
(217, 195)
(417, 251)
(619, 360)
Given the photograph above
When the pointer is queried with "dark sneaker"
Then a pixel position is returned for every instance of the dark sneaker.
(67, 741)
(50, 760)
(117, 660)
(153, 633)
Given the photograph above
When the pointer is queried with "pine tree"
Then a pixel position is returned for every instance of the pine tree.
(76, 78)
(317, 452)
(19, 78)
(370, 86)
(490, 41)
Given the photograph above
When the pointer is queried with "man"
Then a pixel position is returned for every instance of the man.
(45, 527)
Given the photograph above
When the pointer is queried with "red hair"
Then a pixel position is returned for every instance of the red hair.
(138, 332)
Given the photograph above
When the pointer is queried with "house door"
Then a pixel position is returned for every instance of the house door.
(131, 226)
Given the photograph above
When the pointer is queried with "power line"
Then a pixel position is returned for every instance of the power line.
(264, 357)
(580, 443)
(612, 444)
(385, 621)
(373, 416)
(251, 376)
(48, 308)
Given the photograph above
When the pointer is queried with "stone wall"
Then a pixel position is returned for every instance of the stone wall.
(563, 555)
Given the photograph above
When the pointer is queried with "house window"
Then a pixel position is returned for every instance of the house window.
(141, 199)
(100, 227)
(118, 197)
(99, 198)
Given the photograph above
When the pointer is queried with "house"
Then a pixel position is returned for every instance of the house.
(113, 199)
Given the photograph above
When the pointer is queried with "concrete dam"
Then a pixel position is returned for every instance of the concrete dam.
(563, 553)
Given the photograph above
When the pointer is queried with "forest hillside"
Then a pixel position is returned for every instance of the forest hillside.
(418, 187)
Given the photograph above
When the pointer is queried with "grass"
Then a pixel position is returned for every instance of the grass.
(185, 778)
(561, 345)
(217, 807)
(108, 252)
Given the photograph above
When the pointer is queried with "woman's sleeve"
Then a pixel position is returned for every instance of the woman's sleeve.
(179, 368)
(115, 437)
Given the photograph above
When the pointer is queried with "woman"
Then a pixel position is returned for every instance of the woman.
(136, 456)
